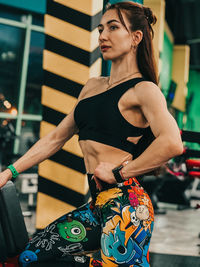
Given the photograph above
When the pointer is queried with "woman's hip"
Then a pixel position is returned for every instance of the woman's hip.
(127, 219)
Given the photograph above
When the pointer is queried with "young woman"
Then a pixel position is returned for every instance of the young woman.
(125, 130)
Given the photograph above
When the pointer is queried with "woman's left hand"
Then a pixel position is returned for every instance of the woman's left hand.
(104, 173)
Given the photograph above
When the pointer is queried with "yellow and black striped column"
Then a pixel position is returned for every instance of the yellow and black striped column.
(70, 58)
(180, 75)
(158, 8)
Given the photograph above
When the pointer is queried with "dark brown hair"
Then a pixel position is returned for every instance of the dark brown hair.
(140, 18)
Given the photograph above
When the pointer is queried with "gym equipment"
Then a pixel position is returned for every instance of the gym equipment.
(29, 185)
(180, 181)
(3, 251)
(193, 167)
(173, 190)
(13, 233)
(182, 177)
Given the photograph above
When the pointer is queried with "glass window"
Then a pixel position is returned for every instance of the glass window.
(7, 137)
(29, 135)
(7, 12)
(12, 46)
(38, 20)
(11, 51)
(32, 103)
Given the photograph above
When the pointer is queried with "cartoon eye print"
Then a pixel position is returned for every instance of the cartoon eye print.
(76, 231)
(72, 230)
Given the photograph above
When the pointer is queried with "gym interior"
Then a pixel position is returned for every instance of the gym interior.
(42, 45)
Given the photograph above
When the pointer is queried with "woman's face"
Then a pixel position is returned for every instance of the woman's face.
(114, 40)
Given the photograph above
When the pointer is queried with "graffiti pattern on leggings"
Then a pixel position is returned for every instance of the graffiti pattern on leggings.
(69, 249)
(72, 230)
(28, 256)
(86, 215)
(120, 222)
(128, 224)
(46, 238)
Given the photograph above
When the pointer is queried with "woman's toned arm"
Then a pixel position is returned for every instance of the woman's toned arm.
(44, 148)
(167, 143)
(48, 145)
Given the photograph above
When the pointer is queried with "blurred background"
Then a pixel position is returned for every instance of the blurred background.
(48, 50)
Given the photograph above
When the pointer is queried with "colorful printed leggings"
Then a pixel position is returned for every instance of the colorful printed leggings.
(120, 222)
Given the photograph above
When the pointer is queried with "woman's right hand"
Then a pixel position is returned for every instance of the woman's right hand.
(5, 176)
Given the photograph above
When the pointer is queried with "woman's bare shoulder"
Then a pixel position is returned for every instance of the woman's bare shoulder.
(91, 84)
(146, 91)
(94, 81)
(146, 84)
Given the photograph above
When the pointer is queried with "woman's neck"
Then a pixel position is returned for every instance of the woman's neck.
(122, 68)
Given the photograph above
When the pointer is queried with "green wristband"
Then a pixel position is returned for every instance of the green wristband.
(13, 170)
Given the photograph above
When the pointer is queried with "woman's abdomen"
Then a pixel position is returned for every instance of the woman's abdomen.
(95, 152)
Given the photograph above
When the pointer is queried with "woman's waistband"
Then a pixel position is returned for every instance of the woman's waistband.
(93, 189)
(105, 186)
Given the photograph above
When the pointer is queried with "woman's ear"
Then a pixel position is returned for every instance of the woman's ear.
(137, 37)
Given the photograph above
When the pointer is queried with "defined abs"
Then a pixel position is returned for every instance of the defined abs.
(95, 152)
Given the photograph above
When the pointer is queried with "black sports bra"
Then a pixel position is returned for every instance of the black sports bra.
(98, 118)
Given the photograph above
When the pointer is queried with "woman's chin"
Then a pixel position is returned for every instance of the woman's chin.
(107, 57)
